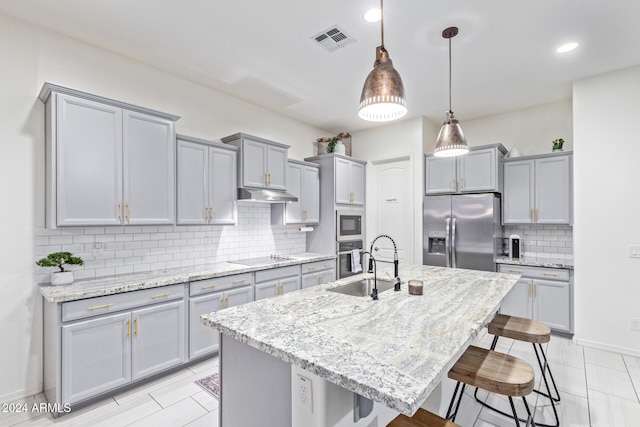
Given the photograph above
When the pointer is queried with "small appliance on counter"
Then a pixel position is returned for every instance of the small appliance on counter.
(515, 246)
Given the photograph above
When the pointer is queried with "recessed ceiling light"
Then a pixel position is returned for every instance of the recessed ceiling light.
(372, 15)
(567, 47)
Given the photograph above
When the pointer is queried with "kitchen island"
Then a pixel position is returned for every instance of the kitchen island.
(394, 351)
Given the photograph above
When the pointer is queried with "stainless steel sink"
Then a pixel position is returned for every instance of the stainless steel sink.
(362, 287)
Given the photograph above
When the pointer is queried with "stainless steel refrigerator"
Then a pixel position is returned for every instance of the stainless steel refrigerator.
(462, 231)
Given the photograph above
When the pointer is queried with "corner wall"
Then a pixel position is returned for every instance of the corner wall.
(607, 209)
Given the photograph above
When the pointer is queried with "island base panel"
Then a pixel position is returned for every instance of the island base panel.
(255, 388)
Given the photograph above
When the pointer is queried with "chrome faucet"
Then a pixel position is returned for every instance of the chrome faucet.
(396, 286)
(373, 269)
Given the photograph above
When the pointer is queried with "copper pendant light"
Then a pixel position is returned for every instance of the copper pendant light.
(451, 140)
(382, 97)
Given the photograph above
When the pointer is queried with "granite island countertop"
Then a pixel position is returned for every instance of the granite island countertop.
(394, 351)
(537, 262)
(110, 285)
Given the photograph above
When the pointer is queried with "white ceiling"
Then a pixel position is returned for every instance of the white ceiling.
(503, 58)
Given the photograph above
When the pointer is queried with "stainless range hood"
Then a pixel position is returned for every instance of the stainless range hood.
(265, 196)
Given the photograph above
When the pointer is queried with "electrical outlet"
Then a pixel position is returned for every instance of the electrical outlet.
(98, 249)
(635, 324)
(305, 393)
(634, 251)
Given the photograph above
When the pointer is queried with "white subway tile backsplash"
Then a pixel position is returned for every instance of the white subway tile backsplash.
(548, 241)
(146, 248)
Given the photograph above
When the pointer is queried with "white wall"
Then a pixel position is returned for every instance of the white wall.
(530, 129)
(31, 56)
(607, 209)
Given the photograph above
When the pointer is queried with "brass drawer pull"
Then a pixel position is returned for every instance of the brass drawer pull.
(239, 281)
(128, 328)
(515, 271)
(550, 274)
(311, 268)
(328, 265)
(528, 289)
(160, 295)
(96, 307)
(208, 287)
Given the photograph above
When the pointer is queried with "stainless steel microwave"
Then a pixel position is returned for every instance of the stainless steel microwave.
(349, 225)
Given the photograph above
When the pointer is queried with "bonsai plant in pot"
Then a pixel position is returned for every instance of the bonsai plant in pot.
(58, 259)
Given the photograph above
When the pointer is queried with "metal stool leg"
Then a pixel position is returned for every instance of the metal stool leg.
(544, 368)
(553, 381)
(451, 416)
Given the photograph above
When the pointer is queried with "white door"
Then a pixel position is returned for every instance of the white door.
(393, 209)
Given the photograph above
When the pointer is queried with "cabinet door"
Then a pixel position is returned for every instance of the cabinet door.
(277, 167)
(478, 171)
(357, 183)
(159, 338)
(518, 300)
(96, 356)
(289, 284)
(327, 276)
(518, 196)
(311, 195)
(551, 304)
(88, 149)
(254, 167)
(148, 169)
(202, 339)
(309, 280)
(293, 211)
(267, 289)
(440, 175)
(193, 183)
(238, 296)
(553, 190)
(223, 186)
(342, 185)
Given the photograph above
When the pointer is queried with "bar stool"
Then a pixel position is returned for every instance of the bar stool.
(422, 418)
(534, 332)
(494, 372)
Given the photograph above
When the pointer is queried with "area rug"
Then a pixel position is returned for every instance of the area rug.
(211, 385)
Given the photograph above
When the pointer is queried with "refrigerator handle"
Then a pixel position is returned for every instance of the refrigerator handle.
(453, 244)
(447, 250)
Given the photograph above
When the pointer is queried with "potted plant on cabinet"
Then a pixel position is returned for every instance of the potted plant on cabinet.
(58, 259)
(557, 144)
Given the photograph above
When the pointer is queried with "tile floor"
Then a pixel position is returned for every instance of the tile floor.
(598, 388)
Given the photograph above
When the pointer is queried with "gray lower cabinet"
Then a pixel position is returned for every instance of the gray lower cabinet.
(202, 339)
(317, 273)
(543, 294)
(277, 281)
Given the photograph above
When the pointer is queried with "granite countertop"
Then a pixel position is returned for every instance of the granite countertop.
(537, 262)
(90, 288)
(395, 350)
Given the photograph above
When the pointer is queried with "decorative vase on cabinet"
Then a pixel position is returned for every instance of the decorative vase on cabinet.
(339, 148)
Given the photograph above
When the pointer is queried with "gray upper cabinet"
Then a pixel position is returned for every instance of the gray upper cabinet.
(476, 171)
(108, 163)
(262, 163)
(207, 186)
(538, 190)
(349, 182)
(303, 181)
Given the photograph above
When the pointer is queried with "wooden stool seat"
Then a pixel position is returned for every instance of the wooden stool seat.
(422, 418)
(520, 329)
(494, 372)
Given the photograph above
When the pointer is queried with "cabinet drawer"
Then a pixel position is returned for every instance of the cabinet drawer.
(536, 272)
(111, 303)
(205, 286)
(277, 273)
(312, 267)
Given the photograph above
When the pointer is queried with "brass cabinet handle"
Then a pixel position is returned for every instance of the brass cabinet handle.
(128, 211)
(136, 326)
(515, 271)
(96, 307)
(120, 211)
(221, 303)
(320, 281)
(461, 183)
(328, 265)
(453, 183)
(550, 274)
(227, 298)
(206, 213)
(537, 214)
(528, 289)
(212, 213)
(531, 214)
(128, 328)
(311, 268)
(208, 287)
(535, 290)
(160, 295)
(239, 281)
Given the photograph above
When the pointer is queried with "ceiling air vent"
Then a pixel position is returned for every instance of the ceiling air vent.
(333, 38)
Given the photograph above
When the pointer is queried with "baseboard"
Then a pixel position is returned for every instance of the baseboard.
(22, 394)
(608, 347)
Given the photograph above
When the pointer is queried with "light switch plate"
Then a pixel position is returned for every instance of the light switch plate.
(305, 393)
(635, 324)
(634, 251)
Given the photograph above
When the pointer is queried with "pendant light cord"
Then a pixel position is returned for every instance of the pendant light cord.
(450, 76)
(381, 24)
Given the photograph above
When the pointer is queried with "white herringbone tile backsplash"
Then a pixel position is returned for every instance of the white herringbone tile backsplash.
(134, 249)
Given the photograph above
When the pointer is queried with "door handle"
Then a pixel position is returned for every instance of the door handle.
(535, 290)
(453, 244)
(128, 215)
(128, 328)
(120, 211)
(447, 250)
(528, 289)
(136, 326)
